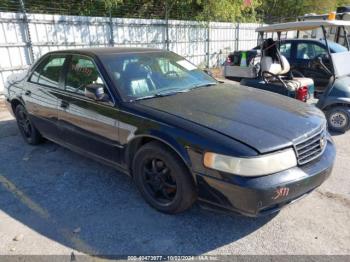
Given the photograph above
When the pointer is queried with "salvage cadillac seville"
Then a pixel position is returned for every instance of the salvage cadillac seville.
(179, 133)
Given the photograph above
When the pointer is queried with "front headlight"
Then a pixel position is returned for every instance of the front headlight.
(254, 166)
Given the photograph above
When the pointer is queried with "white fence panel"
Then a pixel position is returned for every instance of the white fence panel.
(222, 41)
(247, 37)
(189, 39)
(130, 32)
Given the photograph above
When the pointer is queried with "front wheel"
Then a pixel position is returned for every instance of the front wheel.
(163, 179)
(28, 131)
(338, 119)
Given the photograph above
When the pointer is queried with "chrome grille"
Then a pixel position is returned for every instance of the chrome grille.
(311, 148)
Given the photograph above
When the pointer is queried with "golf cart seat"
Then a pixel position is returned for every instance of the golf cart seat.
(275, 66)
(274, 72)
(276, 76)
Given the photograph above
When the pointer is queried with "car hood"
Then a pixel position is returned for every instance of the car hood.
(260, 119)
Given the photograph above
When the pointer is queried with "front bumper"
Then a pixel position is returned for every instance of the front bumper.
(264, 195)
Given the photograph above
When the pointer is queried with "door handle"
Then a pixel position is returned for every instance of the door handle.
(27, 92)
(64, 104)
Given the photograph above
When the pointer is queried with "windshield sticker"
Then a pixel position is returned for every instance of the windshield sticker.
(187, 65)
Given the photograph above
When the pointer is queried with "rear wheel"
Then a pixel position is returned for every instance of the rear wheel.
(30, 134)
(163, 179)
(338, 119)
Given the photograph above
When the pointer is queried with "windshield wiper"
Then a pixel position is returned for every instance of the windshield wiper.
(203, 85)
(161, 94)
(174, 92)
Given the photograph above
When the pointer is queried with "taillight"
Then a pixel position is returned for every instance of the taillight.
(228, 60)
(302, 94)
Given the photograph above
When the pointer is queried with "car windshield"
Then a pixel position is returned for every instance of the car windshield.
(146, 75)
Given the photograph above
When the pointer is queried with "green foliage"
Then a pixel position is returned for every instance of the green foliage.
(204, 10)
(287, 10)
(228, 10)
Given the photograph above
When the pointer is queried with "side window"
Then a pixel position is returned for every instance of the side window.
(285, 49)
(303, 52)
(319, 50)
(309, 51)
(48, 72)
(82, 72)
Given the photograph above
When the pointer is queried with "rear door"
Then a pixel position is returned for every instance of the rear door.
(41, 94)
(86, 124)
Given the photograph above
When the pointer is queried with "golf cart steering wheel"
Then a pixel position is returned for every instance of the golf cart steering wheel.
(319, 61)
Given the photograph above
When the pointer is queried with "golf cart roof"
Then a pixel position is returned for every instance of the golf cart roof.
(302, 25)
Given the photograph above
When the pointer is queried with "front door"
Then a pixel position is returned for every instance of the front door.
(88, 124)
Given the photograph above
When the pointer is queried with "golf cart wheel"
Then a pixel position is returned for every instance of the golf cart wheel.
(338, 119)
(163, 179)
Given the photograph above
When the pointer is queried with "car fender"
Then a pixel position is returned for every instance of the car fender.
(164, 138)
(11, 101)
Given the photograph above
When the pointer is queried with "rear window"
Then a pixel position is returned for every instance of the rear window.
(48, 72)
(285, 49)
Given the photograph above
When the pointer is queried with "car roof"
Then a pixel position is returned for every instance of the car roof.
(333, 45)
(302, 25)
(307, 40)
(109, 50)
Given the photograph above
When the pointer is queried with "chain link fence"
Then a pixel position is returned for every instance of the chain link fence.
(27, 31)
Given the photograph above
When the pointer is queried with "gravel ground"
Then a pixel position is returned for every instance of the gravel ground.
(53, 201)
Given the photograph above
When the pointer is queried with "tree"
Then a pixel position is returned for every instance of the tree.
(267, 11)
(228, 10)
(213, 10)
(288, 10)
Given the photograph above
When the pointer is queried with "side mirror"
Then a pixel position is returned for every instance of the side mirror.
(95, 92)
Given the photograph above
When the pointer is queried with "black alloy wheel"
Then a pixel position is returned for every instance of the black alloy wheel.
(158, 180)
(163, 179)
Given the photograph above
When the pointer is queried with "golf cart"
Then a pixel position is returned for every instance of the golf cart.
(275, 75)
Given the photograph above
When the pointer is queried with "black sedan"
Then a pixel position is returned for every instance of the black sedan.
(178, 132)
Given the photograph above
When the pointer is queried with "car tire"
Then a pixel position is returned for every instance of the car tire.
(338, 119)
(28, 131)
(163, 179)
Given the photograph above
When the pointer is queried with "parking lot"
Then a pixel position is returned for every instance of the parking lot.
(54, 201)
